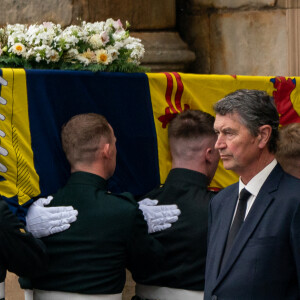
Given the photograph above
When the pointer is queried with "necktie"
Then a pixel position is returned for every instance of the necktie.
(237, 221)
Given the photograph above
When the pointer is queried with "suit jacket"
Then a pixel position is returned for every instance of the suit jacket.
(185, 242)
(109, 235)
(264, 262)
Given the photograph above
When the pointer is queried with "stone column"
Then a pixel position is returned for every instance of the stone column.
(246, 37)
(293, 29)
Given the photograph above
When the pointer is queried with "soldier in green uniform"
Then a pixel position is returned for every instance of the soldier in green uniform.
(194, 162)
(88, 260)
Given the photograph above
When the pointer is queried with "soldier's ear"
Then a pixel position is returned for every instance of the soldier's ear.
(209, 154)
(105, 151)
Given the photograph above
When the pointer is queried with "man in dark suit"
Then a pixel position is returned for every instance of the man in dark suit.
(254, 240)
(194, 162)
(88, 260)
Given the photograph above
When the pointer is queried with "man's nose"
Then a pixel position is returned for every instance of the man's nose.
(220, 143)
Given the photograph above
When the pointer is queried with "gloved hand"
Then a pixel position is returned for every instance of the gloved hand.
(3, 81)
(43, 221)
(158, 217)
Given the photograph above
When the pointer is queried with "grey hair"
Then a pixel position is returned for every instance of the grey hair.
(255, 108)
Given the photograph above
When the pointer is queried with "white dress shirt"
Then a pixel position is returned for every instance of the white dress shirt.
(255, 184)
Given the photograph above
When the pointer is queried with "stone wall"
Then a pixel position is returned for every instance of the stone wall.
(246, 37)
(253, 37)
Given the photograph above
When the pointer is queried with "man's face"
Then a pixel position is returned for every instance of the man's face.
(238, 149)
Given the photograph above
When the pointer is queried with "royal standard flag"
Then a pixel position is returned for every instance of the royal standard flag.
(34, 104)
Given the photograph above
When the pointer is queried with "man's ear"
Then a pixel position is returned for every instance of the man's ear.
(209, 155)
(264, 135)
(105, 151)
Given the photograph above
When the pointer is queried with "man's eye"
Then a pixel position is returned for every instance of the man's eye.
(229, 133)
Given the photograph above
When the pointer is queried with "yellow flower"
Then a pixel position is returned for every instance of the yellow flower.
(18, 49)
(90, 55)
(103, 57)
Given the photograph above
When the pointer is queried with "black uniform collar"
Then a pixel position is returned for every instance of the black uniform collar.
(186, 175)
(88, 179)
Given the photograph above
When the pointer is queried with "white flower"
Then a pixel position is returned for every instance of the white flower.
(18, 49)
(109, 25)
(16, 37)
(103, 57)
(104, 37)
(113, 52)
(18, 28)
(118, 45)
(118, 25)
(72, 53)
(38, 58)
(38, 35)
(93, 28)
(120, 35)
(89, 43)
(83, 59)
(137, 49)
(54, 56)
(95, 41)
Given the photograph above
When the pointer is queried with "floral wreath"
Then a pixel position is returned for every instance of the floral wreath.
(99, 46)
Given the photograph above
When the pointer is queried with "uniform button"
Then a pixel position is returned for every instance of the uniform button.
(214, 297)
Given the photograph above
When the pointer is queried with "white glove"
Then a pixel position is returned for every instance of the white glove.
(158, 217)
(3, 81)
(43, 221)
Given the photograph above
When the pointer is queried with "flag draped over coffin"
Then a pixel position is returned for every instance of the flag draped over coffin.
(34, 105)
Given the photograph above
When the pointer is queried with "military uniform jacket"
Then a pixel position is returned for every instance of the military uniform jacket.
(20, 252)
(185, 242)
(109, 235)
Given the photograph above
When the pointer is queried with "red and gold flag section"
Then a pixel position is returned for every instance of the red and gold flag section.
(34, 105)
(173, 93)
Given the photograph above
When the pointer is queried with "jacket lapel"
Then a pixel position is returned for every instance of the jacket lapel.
(260, 205)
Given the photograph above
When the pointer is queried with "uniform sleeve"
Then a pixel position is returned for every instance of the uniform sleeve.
(145, 253)
(20, 252)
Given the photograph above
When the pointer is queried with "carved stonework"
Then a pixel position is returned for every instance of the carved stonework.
(165, 51)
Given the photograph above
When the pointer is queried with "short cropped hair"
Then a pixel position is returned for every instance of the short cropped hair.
(81, 137)
(191, 124)
(255, 108)
(288, 144)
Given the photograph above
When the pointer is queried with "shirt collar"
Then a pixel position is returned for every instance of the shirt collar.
(87, 178)
(182, 175)
(255, 184)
